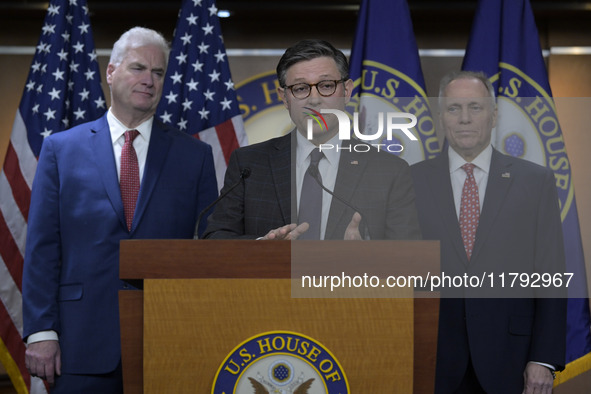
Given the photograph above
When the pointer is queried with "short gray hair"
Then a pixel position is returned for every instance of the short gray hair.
(137, 37)
(452, 76)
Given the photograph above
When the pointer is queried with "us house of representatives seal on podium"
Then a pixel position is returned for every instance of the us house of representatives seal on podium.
(280, 362)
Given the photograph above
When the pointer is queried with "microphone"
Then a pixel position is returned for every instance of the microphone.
(245, 173)
(364, 228)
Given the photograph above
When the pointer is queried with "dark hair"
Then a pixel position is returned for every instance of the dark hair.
(308, 50)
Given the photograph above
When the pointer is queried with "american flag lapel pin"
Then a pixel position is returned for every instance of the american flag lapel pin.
(506, 174)
(354, 162)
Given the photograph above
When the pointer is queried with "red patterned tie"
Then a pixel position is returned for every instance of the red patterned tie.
(130, 177)
(469, 209)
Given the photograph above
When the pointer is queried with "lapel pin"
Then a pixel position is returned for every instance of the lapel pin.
(355, 162)
(506, 175)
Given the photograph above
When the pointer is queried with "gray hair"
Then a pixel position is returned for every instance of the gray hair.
(308, 50)
(137, 37)
(452, 76)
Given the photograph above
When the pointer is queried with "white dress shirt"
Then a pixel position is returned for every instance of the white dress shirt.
(140, 143)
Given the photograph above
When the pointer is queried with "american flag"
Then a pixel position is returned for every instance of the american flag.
(63, 89)
(198, 95)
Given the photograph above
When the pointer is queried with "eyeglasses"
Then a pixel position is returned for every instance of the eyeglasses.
(324, 88)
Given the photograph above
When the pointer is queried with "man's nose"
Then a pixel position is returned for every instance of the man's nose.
(465, 116)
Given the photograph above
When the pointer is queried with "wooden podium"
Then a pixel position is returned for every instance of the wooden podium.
(202, 298)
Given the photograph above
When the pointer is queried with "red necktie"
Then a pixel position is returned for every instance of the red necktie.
(469, 209)
(130, 177)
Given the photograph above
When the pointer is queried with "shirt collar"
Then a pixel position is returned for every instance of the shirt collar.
(117, 128)
(305, 147)
(482, 161)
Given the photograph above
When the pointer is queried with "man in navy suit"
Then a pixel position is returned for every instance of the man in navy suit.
(493, 344)
(77, 219)
(374, 193)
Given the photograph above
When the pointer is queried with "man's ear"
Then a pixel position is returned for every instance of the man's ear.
(110, 68)
(348, 89)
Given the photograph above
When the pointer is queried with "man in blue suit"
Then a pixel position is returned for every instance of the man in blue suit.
(493, 214)
(78, 217)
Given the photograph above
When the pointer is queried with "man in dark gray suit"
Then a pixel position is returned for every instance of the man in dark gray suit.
(374, 193)
(493, 214)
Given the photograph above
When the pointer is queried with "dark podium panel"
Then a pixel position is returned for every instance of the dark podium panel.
(202, 298)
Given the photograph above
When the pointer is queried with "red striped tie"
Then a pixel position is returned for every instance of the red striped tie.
(469, 209)
(130, 177)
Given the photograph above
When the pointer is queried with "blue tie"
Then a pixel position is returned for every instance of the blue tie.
(311, 198)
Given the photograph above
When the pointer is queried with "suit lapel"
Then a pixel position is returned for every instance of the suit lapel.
(104, 158)
(351, 169)
(280, 161)
(499, 182)
(440, 182)
(158, 147)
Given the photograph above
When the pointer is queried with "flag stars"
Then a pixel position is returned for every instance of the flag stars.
(83, 28)
(187, 105)
(48, 29)
(74, 67)
(66, 36)
(55, 94)
(220, 56)
(66, 122)
(192, 19)
(58, 75)
(79, 114)
(203, 48)
(49, 114)
(204, 113)
(41, 47)
(63, 55)
(46, 133)
(226, 104)
(100, 102)
(30, 86)
(207, 29)
(89, 74)
(36, 66)
(176, 78)
(229, 85)
(182, 58)
(53, 10)
(165, 117)
(35, 109)
(214, 76)
(192, 85)
(171, 97)
(39, 88)
(212, 10)
(79, 47)
(197, 3)
(182, 124)
(84, 94)
(186, 39)
(69, 18)
(197, 66)
(209, 95)
(92, 56)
